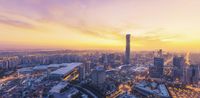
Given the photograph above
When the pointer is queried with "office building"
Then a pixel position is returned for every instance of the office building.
(127, 52)
(179, 69)
(82, 72)
(179, 62)
(156, 71)
(98, 76)
(193, 74)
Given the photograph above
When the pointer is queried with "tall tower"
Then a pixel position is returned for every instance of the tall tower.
(179, 70)
(127, 52)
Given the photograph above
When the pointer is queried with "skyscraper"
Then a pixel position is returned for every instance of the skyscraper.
(192, 74)
(98, 76)
(179, 67)
(82, 72)
(127, 52)
(179, 62)
(156, 71)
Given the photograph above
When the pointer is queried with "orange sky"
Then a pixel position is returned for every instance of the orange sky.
(100, 24)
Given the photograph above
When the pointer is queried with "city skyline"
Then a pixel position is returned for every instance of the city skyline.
(171, 25)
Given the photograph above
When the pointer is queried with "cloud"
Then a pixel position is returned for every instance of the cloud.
(15, 22)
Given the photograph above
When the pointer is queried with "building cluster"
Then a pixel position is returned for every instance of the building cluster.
(181, 72)
(94, 74)
(187, 74)
(183, 92)
(156, 71)
(46, 80)
(9, 62)
(34, 59)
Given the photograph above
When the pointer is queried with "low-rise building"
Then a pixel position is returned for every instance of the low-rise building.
(70, 72)
(148, 89)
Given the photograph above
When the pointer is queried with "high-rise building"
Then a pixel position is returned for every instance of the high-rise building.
(127, 52)
(156, 71)
(82, 72)
(179, 62)
(193, 74)
(179, 70)
(98, 76)
(88, 68)
(159, 64)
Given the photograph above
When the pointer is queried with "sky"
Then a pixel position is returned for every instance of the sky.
(171, 25)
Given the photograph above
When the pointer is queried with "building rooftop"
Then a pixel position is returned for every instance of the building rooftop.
(58, 65)
(45, 67)
(163, 90)
(124, 66)
(100, 68)
(139, 69)
(125, 95)
(40, 67)
(151, 88)
(67, 69)
(58, 87)
(27, 69)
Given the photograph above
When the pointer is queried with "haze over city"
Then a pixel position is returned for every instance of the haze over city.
(100, 24)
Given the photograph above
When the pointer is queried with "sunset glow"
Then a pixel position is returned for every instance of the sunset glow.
(172, 25)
